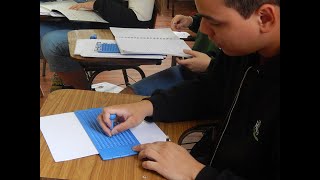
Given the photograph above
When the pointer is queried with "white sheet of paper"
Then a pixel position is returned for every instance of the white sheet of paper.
(83, 44)
(44, 11)
(106, 87)
(148, 132)
(66, 137)
(181, 34)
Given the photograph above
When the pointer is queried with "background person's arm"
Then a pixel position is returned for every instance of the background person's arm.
(195, 23)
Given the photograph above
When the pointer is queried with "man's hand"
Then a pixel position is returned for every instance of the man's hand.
(127, 115)
(198, 63)
(168, 159)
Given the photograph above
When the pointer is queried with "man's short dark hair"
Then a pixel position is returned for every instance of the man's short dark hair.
(247, 7)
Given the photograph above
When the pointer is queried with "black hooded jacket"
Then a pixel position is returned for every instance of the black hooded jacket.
(245, 95)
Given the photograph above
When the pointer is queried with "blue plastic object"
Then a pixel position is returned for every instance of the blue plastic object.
(107, 48)
(93, 36)
(119, 145)
(112, 118)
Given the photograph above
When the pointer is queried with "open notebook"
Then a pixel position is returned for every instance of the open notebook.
(78, 134)
(149, 41)
(73, 15)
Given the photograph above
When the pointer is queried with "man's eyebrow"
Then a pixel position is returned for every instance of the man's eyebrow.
(208, 17)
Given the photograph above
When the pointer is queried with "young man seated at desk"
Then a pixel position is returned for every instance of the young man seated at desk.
(54, 44)
(242, 89)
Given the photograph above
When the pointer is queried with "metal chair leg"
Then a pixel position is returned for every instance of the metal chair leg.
(125, 76)
(92, 74)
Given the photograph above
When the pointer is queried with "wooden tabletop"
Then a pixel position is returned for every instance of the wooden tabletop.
(93, 167)
(102, 34)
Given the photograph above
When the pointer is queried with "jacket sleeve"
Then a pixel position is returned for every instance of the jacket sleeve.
(195, 23)
(209, 173)
(117, 14)
(195, 99)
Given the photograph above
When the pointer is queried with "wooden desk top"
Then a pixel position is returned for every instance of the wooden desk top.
(102, 34)
(93, 167)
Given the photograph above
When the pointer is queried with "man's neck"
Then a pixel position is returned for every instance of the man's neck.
(272, 46)
(270, 51)
(264, 59)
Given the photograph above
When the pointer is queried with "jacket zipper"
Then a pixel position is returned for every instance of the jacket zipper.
(230, 112)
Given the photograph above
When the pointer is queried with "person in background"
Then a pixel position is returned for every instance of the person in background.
(52, 25)
(48, 26)
(63, 24)
(119, 13)
(203, 54)
(241, 89)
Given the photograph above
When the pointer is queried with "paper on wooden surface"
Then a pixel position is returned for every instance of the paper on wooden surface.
(66, 137)
(86, 48)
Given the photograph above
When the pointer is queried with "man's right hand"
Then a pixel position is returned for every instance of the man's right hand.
(180, 22)
(127, 115)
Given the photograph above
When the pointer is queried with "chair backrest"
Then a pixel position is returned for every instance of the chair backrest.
(154, 18)
(192, 135)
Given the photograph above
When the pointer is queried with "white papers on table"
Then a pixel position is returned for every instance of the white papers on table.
(67, 139)
(86, 48)
(149, 41)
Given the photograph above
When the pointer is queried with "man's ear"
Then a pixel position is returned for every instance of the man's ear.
(267, 17)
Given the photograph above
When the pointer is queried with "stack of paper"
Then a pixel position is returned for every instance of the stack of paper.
(149, 41)
(86, 48)
(136, 43)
